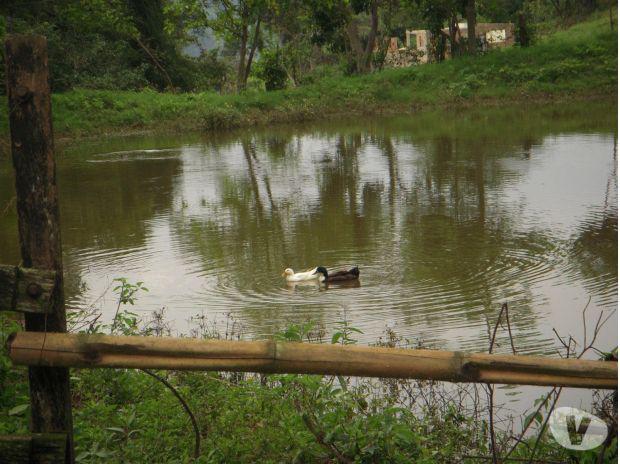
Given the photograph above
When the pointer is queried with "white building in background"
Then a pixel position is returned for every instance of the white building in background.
(418, 42)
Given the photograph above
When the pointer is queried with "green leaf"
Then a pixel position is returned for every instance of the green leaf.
(17, 410)
(527, 419)
(115, 429)
(404, 434)
(535, 415)
(83, 455)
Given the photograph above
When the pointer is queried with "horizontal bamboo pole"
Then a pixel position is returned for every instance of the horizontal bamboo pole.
(270, 356)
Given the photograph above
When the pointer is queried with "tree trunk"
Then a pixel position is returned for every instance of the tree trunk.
(470, 11)
(453, 29)
(38, 220)
(355, 45)
(382, 52)
(372, 36)
(248, 67)
(524, 39)
(241, 67)
(439, 45)
(361, 54)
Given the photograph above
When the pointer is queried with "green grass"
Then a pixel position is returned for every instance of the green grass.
(580, 62)
(125, 416)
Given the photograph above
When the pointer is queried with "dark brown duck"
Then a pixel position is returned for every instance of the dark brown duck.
(338, 276)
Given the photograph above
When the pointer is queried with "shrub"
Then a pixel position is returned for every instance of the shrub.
(210, 73)
(271, 69)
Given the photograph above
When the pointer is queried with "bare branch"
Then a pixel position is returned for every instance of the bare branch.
(499, 318)
(8, 206)
(544, 425)
(319, 435)
(583, 318)
(512, 343)
(185, 406)
(491, 392)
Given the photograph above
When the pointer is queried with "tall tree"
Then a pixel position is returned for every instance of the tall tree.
(470, 13)
(291, 23)
(237, 22)
(95, 43)
(148, 18)
(363, 51)
(343, 20)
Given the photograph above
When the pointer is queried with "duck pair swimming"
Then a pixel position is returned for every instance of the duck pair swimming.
(322, 275)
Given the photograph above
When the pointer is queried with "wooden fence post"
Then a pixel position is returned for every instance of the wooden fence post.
(38, 219)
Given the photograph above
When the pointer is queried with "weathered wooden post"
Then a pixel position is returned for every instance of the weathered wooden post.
(38, 219)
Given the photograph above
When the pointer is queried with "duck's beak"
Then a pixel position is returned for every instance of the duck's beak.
(284, 274)
(315, 271)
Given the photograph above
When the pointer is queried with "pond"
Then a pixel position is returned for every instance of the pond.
(447, 214)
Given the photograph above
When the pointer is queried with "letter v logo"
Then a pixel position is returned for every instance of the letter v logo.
(576, 434)
(576, 429)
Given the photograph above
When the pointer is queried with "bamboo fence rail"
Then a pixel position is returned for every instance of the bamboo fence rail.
(271, 356)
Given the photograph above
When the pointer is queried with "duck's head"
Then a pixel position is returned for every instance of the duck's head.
(287, 272)
(321, 270)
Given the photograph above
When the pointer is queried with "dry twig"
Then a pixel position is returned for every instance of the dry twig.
(185, 406)
(319, 435)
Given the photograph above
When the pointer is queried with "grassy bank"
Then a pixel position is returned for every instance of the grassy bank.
(580, 62)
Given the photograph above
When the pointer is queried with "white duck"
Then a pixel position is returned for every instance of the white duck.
(310, 274)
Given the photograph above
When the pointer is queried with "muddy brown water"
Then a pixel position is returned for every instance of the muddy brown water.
(447, 215)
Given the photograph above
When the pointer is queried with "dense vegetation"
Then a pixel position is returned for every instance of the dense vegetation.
(579, 61)
(125, 415)
(213, 45)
